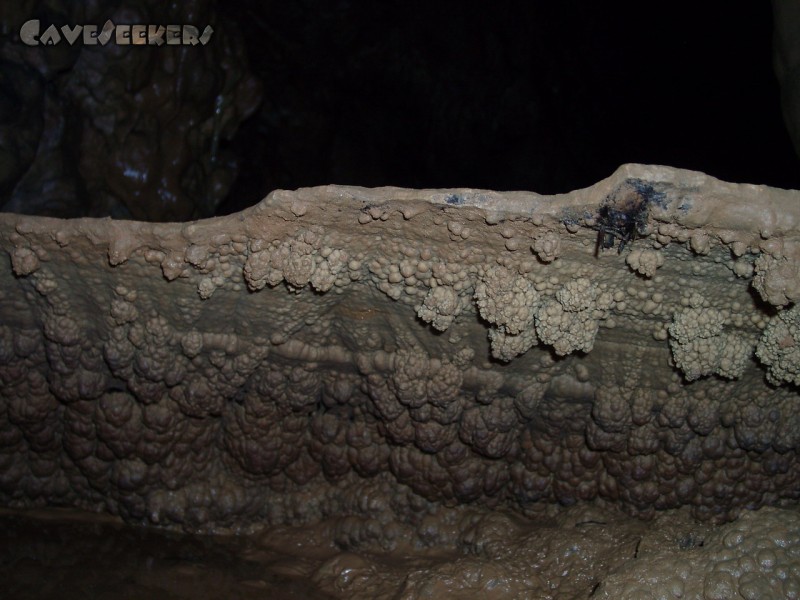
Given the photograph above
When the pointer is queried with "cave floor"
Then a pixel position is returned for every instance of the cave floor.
(69, 554)
(564, 553)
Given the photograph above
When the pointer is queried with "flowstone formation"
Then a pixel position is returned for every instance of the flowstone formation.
(384, 353)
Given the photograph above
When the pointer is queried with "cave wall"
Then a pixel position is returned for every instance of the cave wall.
(128, 131)
(341, 350)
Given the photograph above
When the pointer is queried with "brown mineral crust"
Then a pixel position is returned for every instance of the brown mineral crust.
(755, 557)
(254, 368)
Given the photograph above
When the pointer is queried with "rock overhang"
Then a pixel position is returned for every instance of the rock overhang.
(417, 347)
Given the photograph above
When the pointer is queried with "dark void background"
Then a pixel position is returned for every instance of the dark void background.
(548, 97)
(541, 96)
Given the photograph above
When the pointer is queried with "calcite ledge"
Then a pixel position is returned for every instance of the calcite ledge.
(382, 352)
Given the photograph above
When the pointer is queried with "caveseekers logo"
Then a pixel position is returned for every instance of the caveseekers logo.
(124, 35)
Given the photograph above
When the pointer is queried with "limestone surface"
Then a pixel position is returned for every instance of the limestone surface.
(384, 352)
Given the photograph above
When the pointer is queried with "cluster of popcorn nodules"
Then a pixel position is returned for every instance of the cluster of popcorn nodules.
(303, 259)
(522, 308)
(567, 321)
(701, 345)
(192, 427)
(164, 422)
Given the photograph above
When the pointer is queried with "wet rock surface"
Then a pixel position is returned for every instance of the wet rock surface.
(570, 553)
(60, 553)
(390, 359)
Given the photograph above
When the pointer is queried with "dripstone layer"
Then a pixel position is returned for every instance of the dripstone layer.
(379, 352)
